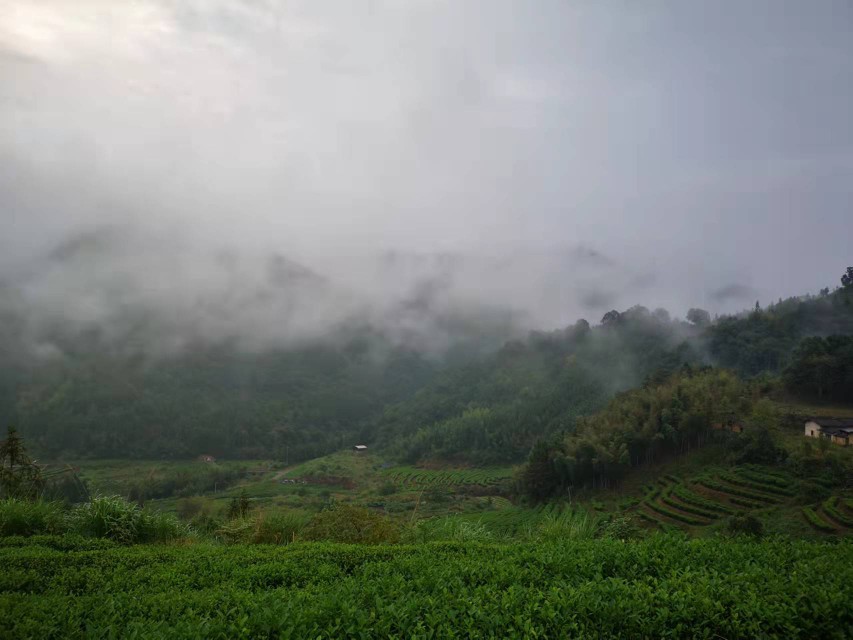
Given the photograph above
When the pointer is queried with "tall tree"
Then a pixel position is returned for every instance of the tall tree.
(20, 477)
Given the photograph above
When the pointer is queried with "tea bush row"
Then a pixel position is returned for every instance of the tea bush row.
(756, 486)
(714, 485)
(816, 521)
(689, 497)
(665, 586)
(831, 508)
(687, 508)
(681, 517)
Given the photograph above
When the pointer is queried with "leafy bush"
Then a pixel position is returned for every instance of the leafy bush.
(811, 492)
(745, 525)
(276, 528)
(160, 527)
(346, 523)
(235, 530)
(387, 489)
(24, 518)
(568, 525)
(205, 523)
(619, 528)
(116, 519)
(189, 508)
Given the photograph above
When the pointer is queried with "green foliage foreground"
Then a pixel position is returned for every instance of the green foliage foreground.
(660, 587)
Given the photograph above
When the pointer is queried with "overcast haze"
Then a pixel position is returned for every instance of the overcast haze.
(551, 159)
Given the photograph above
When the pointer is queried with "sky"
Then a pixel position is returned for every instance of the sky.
(553, 158)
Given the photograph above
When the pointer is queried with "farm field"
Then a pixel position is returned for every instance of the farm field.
(693, 494)
(343, 477)
(700, 504)
(663, 586)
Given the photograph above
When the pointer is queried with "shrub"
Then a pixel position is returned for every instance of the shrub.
(619, 528)
(106, 517)
(276, 528)
(387, 489)
(627, 503)
(745, 525)
(189, 508)
(235, 530)
(159, 527)
(347, 523)
(811, 492)
(116, 519)
(205, 523)
(239, 506)
(24, 518)
(568, 525)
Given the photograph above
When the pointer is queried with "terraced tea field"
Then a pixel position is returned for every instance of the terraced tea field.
(414, 476)
(712, 496)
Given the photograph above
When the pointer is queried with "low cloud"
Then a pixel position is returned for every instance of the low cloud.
(270, 173)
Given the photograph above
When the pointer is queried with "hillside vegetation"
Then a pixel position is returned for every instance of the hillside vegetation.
(463, 406)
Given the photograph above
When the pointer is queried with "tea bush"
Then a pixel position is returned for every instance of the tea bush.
(25, 518)
(116, 519)
(347, 523)
(662, 586)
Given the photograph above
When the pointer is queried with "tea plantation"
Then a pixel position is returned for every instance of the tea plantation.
(663, 587)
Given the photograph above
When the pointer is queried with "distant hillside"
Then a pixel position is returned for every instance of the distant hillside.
(298, 403)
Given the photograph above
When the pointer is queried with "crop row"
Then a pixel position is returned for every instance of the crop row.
(430, 477)
(735, 491)
(766, 478)
(830, 506)
(669, 513)
(816, 521)
(748, 504)
(689, 497)
(461, 590)
(755, 486)
(687, 508)
(766, 471)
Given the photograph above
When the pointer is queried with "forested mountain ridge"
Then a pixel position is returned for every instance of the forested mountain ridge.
(299, 403)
